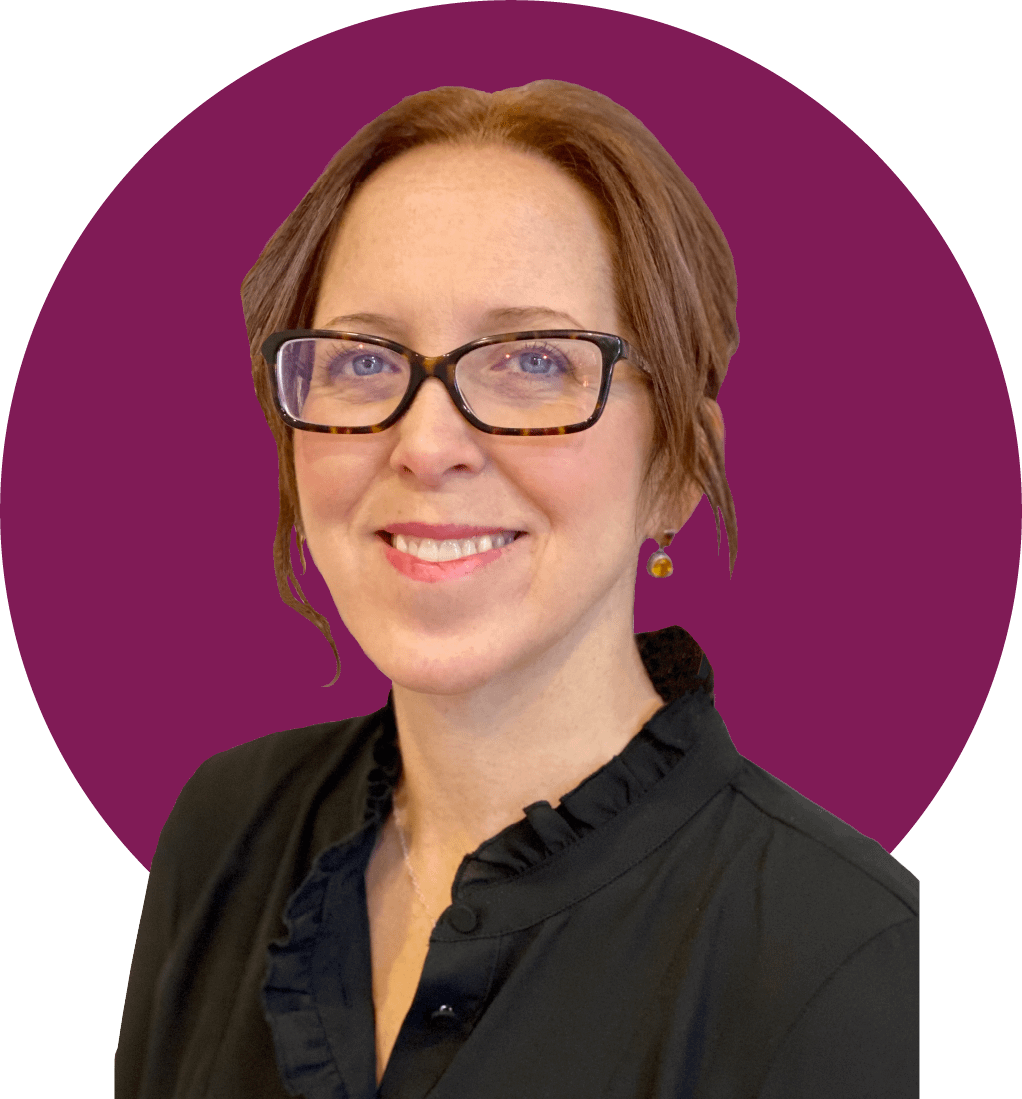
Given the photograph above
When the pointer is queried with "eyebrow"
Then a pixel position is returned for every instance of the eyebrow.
(493, 321)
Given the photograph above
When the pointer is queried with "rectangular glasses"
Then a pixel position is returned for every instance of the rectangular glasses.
(520, 383)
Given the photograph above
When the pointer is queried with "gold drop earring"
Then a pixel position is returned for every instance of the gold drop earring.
(659, 564)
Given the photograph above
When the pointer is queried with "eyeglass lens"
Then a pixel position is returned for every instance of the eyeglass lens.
(515, 384)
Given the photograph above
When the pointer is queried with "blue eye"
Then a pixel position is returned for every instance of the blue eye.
(363, 365)
(367, 364)
(533, 362)
(539, 361)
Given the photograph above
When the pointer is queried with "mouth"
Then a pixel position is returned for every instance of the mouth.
(447, 546)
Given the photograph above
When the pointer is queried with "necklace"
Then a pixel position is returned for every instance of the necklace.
(408, 866)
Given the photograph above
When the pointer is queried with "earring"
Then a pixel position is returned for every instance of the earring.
(659, 564)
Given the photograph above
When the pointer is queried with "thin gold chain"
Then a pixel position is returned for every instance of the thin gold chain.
(408, 866)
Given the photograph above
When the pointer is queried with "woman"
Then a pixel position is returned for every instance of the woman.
(365, 907)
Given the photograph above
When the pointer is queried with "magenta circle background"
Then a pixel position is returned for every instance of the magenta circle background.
(871, 448)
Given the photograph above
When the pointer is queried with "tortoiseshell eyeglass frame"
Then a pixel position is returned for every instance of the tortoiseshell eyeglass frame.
(442, 367)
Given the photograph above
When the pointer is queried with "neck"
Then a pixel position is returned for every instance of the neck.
(471, 762)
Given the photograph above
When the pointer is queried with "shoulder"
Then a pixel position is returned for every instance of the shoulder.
(843, 925)
(811, 845)
(263, 763)
(247, 793)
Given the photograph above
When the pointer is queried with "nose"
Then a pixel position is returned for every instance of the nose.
(433, 401)
(433, 440)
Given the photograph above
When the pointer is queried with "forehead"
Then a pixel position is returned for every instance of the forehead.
(448, 188)
(454, 227)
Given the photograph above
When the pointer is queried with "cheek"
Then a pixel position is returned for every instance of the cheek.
(590, 488)
(616, 468)
(332, 476)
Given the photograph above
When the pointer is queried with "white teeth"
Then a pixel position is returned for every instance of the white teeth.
(428, 549)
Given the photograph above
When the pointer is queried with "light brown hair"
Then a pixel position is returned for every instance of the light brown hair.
(675, 274)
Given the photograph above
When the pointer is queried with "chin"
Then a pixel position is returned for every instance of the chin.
(448, 676)
(446, 664)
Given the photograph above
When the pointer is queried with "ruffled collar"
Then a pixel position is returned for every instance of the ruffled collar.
(679, 671)
(540, 864)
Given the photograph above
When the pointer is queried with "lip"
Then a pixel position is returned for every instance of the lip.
(430, 572)
(441, 531)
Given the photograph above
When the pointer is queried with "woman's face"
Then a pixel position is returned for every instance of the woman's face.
(439, 247)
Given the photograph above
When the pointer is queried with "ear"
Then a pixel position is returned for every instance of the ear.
(670, 512)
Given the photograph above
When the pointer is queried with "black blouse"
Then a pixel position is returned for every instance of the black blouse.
(681, 925)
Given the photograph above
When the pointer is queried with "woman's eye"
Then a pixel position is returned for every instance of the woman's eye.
(538, 361)
(367, 364)
(364, 365)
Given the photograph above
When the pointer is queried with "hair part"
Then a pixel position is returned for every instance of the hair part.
(674, 272)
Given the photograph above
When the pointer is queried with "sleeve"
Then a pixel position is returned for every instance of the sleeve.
(166, 898)
(858, 1037)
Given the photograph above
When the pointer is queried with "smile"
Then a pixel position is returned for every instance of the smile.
(465, 550)
(451, 549)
